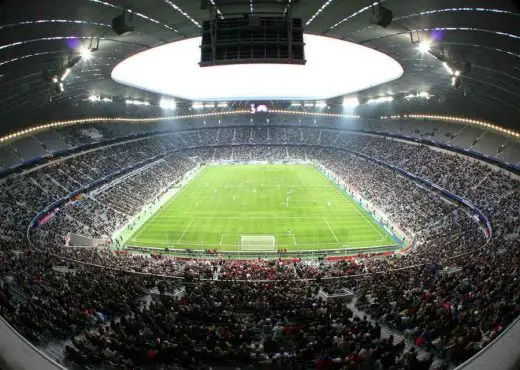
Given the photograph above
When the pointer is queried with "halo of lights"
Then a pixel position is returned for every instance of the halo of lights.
(47, 126)
(334, 67)
(462, 120)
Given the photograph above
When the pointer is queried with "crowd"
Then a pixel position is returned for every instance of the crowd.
(448, 306)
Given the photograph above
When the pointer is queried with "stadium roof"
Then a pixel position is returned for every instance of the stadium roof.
(39, 38)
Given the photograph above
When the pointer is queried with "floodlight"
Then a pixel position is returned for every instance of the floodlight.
(351, 102)
(382, 99)
(167, 104)
(320, 104)
(85, 53)
(136, 102)
(456, 82)
(59, 88)
(447, 67)
(94, 98)
(65, 74)
(197, 105)
(424, 47)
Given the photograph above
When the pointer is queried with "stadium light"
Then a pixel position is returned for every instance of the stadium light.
(65, 74)
(350, 102)
(85, 53)
(320, 104)
(222, 105)
(382, 99)
(136, 102)
(424, 47)
(418, 95)
(94, 98)
(167, 104)
(447, 68)
(197, 105)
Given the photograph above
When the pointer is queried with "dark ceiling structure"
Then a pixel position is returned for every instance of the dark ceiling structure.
(39, 38)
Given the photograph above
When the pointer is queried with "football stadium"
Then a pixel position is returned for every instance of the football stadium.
(260, 184)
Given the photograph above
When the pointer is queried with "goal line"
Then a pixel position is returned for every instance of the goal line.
(257, 243)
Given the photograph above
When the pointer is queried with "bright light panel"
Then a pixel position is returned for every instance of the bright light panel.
(351, 102)
(167, 104)
(85, 53)
(382, 99)
(424, 47)
(136, 102)
(334, 67)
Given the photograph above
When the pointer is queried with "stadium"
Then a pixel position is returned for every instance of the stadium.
(260, 184)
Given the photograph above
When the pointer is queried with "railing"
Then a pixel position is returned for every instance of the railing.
(501, 354)
(21, 354)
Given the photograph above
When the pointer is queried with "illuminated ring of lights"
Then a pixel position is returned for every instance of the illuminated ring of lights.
(334, 67)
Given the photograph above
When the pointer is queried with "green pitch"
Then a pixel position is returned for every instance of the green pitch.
(295, 204)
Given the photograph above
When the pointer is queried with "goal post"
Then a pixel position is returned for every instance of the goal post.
(257, 243)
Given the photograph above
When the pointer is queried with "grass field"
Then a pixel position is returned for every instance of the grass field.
(295, 204)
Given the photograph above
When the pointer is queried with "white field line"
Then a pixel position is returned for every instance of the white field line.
(294, 240)
(221, 238)
(330, 228)
(184, 232)
(157, 211)
(253, 217)
(263, 186)
(370, 222)
(162, 242)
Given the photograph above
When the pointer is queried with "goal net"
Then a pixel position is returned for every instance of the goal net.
(257, 243)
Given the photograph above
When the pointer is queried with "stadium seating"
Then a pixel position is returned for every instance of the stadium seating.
(451, 296)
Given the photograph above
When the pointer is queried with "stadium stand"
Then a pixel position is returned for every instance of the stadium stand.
(431, 305)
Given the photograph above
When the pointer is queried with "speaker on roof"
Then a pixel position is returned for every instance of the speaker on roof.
(382, 16)
(123, 23)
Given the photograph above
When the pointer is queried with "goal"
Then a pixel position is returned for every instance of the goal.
(257, 243)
